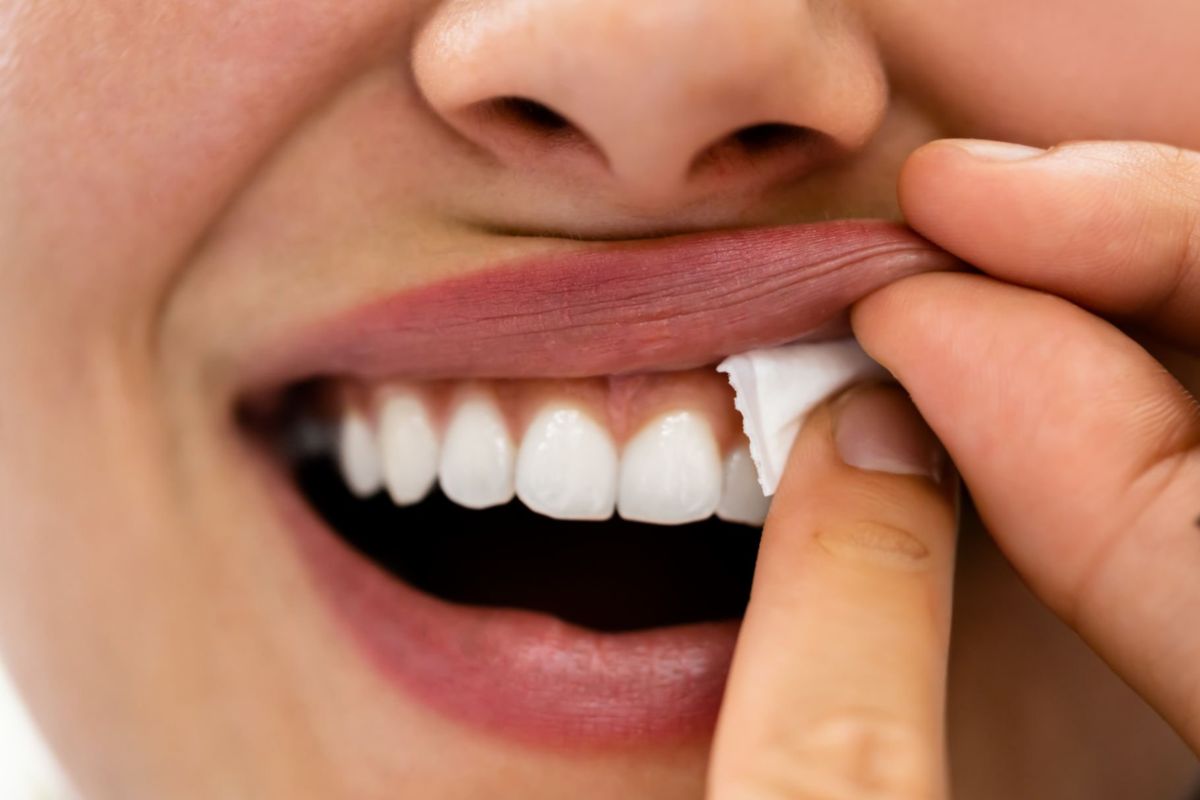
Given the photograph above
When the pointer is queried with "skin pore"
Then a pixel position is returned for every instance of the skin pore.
(183, 182)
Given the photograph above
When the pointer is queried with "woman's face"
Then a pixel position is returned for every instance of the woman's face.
(206, 202)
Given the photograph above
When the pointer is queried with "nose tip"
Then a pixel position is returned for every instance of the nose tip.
(657, 100)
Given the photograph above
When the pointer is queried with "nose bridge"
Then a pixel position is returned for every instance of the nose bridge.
(649, 85)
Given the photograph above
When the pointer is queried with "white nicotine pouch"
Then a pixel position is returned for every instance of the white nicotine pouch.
(776, 388)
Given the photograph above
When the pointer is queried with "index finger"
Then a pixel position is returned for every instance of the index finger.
(837, 688)
(1110, 225)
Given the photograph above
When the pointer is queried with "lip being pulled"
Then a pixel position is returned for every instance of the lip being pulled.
(662, 304)
(670, 303)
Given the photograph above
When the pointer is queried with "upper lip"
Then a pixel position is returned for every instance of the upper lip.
(670, 303)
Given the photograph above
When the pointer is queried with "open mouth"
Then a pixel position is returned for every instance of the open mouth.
(526, 493)
(607, 576)
(566, 561)
(615, 504)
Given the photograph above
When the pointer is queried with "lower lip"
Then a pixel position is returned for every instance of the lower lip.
(519, 674)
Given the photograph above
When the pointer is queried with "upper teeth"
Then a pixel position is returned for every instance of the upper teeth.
(566, 466)
(476, 470)
(742, 499)
(358, 453)
(671, 471)
(409, 446)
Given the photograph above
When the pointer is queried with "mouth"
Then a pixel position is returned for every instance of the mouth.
(525, 493)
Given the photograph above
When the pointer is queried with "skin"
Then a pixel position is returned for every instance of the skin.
(182, 181)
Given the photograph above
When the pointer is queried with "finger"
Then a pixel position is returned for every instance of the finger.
(1083, 457)
(1113, 226)
(838, 680)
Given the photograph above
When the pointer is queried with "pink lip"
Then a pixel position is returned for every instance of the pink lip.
(669, 303)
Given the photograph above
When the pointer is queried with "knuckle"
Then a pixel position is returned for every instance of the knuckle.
(853, 754)
(1167, 422)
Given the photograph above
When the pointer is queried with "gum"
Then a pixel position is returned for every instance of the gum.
(624, 404)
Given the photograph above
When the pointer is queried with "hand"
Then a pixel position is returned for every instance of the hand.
(1081, 451)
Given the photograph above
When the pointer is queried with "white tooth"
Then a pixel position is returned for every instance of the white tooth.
(567, 465)
(477, 455)
(358, 455)
(671, 471)
(409, 445)
(742, 499)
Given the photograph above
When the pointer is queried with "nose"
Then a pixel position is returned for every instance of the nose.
(658, 98)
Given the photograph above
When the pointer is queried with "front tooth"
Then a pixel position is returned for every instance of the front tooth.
(567, 465)
(409, 446)
(742, 499)
(358, 456)
(477, 456)
(671, 471)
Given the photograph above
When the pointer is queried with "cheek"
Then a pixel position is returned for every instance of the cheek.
(1045, 71)
(134, 130)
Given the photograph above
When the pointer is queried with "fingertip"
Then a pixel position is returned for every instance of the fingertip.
(901, 317)
(949, 190)
(925, 173)
(872, 314)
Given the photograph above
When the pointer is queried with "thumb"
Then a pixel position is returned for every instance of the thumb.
(838, 680)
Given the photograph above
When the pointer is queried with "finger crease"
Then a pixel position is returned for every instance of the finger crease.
(1165, 470)
(878, 542)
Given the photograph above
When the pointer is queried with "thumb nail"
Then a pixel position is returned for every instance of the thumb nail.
(878, 429)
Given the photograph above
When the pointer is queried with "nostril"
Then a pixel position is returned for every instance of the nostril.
(521, 128)
(768, 142)
(531, 114)
(757, 139)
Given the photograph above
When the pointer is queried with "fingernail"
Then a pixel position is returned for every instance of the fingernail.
(988, 150)
(877, 428)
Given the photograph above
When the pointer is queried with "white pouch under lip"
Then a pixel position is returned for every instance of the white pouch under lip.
(775, 389)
